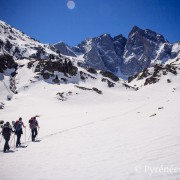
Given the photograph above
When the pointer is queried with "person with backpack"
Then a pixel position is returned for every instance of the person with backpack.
(18, 130)
(33, 123)
(6, 132)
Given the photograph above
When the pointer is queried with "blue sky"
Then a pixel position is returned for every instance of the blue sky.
(51, 21)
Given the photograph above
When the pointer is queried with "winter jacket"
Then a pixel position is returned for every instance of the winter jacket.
(6, 132)
(18, 127)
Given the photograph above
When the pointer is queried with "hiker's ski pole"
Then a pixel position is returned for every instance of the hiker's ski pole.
(25, 136)
(1, 139)
(12, 139)
(14, 142)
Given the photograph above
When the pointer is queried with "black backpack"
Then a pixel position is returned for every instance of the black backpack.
(6, 131)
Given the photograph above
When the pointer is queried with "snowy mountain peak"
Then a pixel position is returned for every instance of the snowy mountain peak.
(106, 35)
(134, 30)
(143, 48)
(94, 58)
(93, 125)
(64, 49)
(128, 56)
(19, 45)
(119, 37)
(147, 33)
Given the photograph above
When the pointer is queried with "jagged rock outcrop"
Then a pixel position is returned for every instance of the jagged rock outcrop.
(142, 48)
(119, 45)
(109, 75)
(103, 52)
(7, 62)
(153, 74)
(49, 68)
(109, 83)
(64, 49)
(89, 89)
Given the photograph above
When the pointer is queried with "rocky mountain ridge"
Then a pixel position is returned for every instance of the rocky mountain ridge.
(25, 61)
(140, 50)
(100, 58)
(128, 56)
(167, 72)
(19, 45)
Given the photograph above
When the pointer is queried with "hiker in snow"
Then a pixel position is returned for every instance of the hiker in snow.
(33, 123)
(18, 130)
(6, 132)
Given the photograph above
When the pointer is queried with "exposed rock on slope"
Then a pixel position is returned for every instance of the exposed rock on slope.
(154, 74)
(19, 45)
(142, 49)
(103, 52)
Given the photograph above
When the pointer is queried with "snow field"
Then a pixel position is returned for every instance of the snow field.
(91, 136)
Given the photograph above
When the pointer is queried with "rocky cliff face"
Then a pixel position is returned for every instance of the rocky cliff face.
(7, 62)
(64, 49)
(21, 54)
(119, 45)
(103, 52)
(140, 50)
(144, 47)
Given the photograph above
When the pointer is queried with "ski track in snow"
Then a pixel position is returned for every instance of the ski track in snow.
(91, 123)
(109, 140)
(120, 135)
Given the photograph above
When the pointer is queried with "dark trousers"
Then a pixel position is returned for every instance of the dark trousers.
(18, 142)
(6, 145)
(34, 133)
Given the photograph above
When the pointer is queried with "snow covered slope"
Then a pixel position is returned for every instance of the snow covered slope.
(19, 51)
(93, 125)
(120, 134)
(166, 73)
(117, 133)
(19, 45)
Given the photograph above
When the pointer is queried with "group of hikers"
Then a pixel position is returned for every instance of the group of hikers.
(17, 128)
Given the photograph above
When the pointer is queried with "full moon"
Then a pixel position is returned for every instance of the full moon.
(71, 4)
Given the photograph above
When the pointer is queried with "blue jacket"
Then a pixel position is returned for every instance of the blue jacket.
(18, 127)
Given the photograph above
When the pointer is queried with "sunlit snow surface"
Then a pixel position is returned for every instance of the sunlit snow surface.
(92, 136)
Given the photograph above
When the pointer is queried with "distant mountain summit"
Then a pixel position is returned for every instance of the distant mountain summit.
(19, 45)
(140, 50)
(103, 52)
(119, 55)
(143, 48)
(146, 57)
